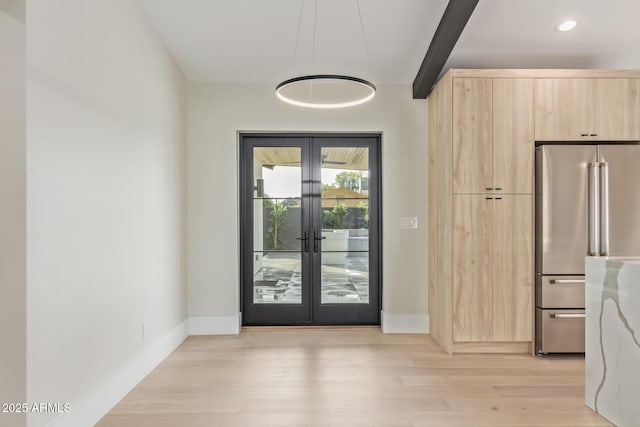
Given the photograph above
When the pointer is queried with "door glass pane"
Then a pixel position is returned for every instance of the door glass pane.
(277, 278)
(345, 225)
(277, 222)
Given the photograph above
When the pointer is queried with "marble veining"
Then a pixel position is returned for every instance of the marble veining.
(612, 347)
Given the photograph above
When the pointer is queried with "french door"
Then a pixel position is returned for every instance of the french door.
(310, 228)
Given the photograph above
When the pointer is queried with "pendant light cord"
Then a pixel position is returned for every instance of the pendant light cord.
(313, 52)
(364, 36)
(295, 51)
(315, 32)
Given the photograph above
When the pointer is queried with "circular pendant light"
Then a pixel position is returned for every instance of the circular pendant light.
(325, 91)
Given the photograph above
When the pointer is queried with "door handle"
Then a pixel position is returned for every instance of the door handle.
(316, 239)
(604, 209)
(567, 315)
(305, 239)
(567, 281)
(593, 213)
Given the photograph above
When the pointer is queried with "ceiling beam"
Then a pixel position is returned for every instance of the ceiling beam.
(453, 21)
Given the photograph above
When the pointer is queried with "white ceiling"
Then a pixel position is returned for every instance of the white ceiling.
(521, 34)
(253, 41)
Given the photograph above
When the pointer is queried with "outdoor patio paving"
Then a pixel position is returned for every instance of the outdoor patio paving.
(279, 279)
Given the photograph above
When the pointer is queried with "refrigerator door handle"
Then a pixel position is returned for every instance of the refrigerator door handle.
(567, 281)
(567, 315)
(604, 209)
(593, 211)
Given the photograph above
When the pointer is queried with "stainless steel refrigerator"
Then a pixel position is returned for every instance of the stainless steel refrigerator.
(587, 203)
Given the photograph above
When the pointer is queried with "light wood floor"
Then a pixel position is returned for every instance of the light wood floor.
(351, 377)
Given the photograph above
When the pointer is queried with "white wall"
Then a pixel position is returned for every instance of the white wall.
(106, 194)
(217, 112)
(13, 306)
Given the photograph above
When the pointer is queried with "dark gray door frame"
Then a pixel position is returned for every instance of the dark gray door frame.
(310, 312)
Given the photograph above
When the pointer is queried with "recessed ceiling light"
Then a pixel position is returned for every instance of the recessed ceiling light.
(567, 25)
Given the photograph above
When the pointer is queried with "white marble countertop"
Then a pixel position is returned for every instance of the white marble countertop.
(612, 338)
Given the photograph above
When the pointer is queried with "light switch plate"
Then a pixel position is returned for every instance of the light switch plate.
(408, 222)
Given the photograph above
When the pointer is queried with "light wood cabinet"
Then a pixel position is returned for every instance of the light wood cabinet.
(513, 135)
(492, 268)
(587, 109)
(482, 128)
(512, 251)
(561, 109)
(614, 108)
(472, 270)
(492, 135)
(472, 135)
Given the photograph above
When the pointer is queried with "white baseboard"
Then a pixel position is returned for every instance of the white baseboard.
(88, 410)
(405, 324)
(215, 325)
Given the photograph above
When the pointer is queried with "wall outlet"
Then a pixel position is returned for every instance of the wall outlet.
(408, 222)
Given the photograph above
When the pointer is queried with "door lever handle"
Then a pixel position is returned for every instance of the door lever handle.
(305, 239)
(316, 239)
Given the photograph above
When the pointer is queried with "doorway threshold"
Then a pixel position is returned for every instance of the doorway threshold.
(314, 327)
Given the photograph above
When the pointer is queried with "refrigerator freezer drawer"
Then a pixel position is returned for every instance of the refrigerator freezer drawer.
(560, 291)
(559, 331)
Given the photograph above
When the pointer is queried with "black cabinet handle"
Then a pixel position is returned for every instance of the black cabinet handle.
(488, 188)
(304, 239)
(584, 134)
(498, 188)
(594, 134)
(316, 239)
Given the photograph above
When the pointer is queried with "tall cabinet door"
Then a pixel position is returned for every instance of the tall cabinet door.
(472, 281)
(472, 135)
(513, 135)
(561, 109)
(512, 267)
